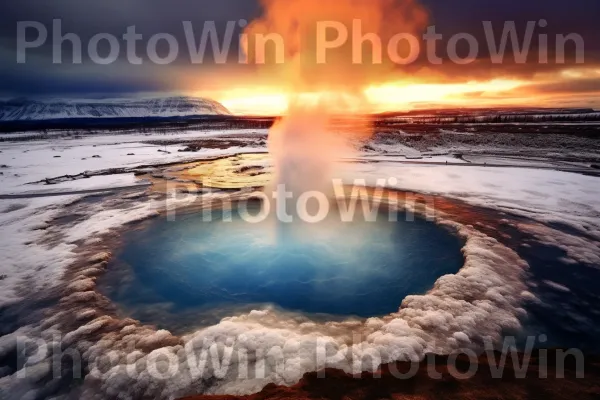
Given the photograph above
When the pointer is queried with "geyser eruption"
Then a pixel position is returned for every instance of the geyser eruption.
(305, 148)
(326, 103)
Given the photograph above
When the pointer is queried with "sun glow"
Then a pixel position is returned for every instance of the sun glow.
(393, 96)
(399, 96)
(254, 101)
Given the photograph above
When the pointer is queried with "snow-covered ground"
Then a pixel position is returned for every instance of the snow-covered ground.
(27, 162)
(443, 320)
(544, 194)
(539, 192)
(24, 163)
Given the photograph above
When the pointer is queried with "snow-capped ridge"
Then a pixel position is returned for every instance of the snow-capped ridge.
(36, 110)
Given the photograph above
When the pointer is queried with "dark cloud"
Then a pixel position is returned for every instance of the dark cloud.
(87, 18)
(563, 16)
(577, 86)
(48, 84)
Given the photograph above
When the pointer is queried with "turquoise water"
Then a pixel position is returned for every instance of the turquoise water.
(356, 268)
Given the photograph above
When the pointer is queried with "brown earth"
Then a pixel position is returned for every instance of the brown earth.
(337, 385)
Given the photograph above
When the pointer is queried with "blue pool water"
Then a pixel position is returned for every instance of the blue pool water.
(357, 268)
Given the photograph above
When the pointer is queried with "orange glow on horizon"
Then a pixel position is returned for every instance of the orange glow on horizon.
(393, 96)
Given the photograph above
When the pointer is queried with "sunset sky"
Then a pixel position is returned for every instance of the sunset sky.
(260, 89)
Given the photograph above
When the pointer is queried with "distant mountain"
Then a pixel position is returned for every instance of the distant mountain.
(60, 109)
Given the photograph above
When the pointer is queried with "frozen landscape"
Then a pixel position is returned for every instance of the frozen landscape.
(522, 205)
(299, 199)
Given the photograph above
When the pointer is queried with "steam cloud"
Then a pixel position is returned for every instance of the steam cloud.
(303, 145)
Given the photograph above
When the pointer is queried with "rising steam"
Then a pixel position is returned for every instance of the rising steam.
(304, 144)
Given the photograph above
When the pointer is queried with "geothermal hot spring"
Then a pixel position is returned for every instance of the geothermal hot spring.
(190, 272)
